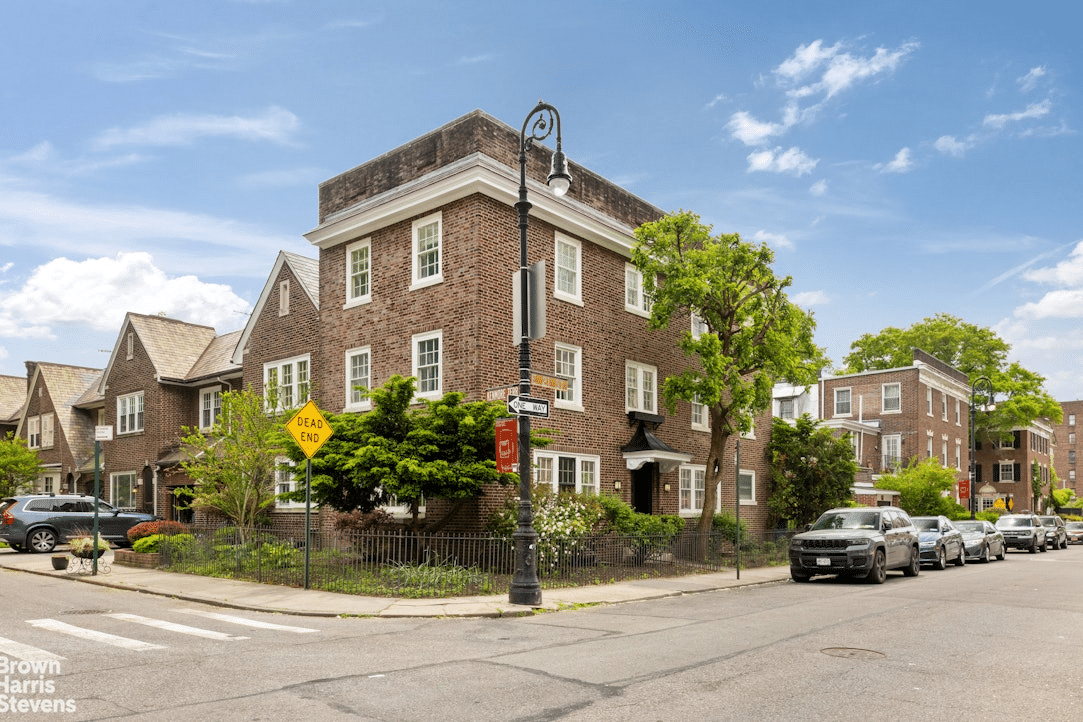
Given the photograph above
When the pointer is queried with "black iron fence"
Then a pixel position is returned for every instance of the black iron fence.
(404, 564)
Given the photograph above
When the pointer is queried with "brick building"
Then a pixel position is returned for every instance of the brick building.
(1068, 445)
(416, 253)
(1003, 469)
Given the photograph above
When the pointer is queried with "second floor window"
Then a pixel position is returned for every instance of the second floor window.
(286, 382)
(640, 392)
(358, 272)
(33, 432)
(842, 402)
(210, 407)
(427, 250)
(566, 363)
(700, 417)
(427, 363)
(892, 397)
(636, 299)
(130, 413)
(358, 378)
(785, 409)
(568, 257)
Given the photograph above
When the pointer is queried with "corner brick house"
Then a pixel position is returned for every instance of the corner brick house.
(1003, 469)
(416, 253)
(1068, 446)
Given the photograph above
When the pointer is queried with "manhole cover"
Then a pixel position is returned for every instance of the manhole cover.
(852, 653)
(83, 611)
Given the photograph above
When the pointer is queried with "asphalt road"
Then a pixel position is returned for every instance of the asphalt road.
(983, 642)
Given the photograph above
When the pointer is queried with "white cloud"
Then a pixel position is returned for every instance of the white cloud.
(1068, 272)
(776, 240)
(840, 70)
(97, 292)
(792, 161)
(750, 131)
(714, 101)
(808, 299)
(1028, 82)
(276, 125)
(950, 145)
(1067, 303)
(818, 188)
(1034, 110)
(901, 163)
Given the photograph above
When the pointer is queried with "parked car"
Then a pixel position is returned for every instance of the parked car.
(1055, 535)
(38, 522)
(982, 539)
(940, 541)
(1023, 531)
(1074, 531)
(858, 542)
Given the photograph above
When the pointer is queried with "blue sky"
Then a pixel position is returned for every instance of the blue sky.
(902, 158)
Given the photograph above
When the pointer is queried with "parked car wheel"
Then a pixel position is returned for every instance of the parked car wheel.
(1064, 543)
(915, 563)
(1003, 552)
(42, 540)
(985, 554)
(1044, 547)
(799, 578)
(942, 560)
(1034, 546)
(961, 559)
(878, 573)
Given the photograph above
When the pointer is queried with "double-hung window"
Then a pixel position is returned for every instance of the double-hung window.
(699, 326)
(427, 363)
(842, 402)
(640, 387)
(33, 432)
(1007, 471)
(210, 407)
(427, 235)
(286, 382)
(567, 472)
(122, 490)
(692, 489)
(358, 378)
(286, 483)
(700, 417)
(567, 364)
(636, 299)
(130, 413)
(568, 255)
(358, 273)
(746, 486)
(891, 399)
(47, 426)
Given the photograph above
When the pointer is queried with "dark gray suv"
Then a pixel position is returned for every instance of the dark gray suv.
(38, 522)
(859, 542)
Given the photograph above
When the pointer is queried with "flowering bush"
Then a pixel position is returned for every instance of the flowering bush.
(148, 528)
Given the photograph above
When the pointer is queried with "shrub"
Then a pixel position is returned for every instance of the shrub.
(727, 524)
(149, 528)
(355, 521)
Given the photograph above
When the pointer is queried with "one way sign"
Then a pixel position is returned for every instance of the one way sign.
(526, 406)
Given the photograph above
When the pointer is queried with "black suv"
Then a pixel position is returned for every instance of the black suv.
(39, 522)
(1056, 536)
(859, 542)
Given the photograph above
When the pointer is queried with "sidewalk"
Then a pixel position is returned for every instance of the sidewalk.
(288, 600)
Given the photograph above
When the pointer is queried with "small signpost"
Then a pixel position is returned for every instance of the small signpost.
(527, 406)
(101, 433)
(310, 430)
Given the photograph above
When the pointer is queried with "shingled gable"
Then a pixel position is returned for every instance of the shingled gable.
(12, 400)
(66, 386)
(307, 272)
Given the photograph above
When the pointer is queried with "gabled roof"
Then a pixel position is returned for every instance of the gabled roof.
(67, 385)
(307, 272)
(179, 351)
(12, 398)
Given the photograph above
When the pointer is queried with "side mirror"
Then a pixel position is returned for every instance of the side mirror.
(808, 526)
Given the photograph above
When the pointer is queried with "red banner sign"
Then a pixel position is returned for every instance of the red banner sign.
(507, 445)
(964, 488)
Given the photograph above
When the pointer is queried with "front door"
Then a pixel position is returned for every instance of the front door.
(643, 488)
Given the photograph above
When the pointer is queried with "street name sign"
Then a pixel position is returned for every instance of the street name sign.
(527, 406)
(309, 429)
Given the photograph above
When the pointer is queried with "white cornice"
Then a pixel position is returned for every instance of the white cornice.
(476, 173)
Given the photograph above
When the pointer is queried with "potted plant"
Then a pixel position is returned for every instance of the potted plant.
(83, 547)
(60, 562)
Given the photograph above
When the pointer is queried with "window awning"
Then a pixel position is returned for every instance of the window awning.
(646, 448)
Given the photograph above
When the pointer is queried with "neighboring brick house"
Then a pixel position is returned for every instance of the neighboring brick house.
(901, 414)
(12, 398)
(163, 375)
(416, 253)
(1003, 468)
(1068, 446)
(49, 422)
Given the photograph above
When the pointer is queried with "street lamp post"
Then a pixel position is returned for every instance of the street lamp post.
(542, 120)
(983, 385)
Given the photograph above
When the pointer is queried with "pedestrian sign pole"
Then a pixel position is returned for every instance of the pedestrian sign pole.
(310, 430)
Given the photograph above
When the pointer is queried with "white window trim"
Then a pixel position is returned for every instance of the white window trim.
(835, 401)
(416, 339)
(705, 425)
(576, 402)
(33, 432)
(363, 298)
(883, 398)
(48, 430)
(366, 403)
(577, 296)
(958, 412)
(415, 261)
(579, 459)
(698, 326)
(641, 305)
(752, 490)
(201, 400)
(928, 401)
(280, 479)
(639, 369)
(114, 478)
(284, 298)
(138, 424)
(277, 364)
(943, 406)
(1010, 466)
(694, 510)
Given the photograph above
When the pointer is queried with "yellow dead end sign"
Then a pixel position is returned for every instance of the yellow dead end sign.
(309, 429)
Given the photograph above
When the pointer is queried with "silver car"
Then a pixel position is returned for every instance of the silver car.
(983, 540)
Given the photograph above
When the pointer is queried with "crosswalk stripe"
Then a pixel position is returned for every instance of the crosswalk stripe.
(112, 639)
(172, 627)
(249, 622)
(11, 648)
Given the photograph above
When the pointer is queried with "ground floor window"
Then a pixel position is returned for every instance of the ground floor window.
(122, 490)
(567, 472)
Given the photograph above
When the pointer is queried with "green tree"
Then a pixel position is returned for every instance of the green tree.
(811, 470)
(20, 466)
(974, 350)
(922, 486)
(752, 334)
(233, 465)
(409, 448)
(1036, 487)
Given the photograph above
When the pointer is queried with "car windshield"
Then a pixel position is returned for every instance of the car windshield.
(1048, 520)
(969, 526)
(1013, 521)
(926, 524)
(848, 520)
